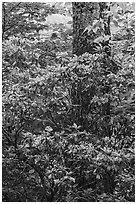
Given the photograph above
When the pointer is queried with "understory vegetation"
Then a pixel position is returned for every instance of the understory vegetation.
(68, 119)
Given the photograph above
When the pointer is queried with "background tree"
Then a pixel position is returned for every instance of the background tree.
(92, 35)
(24, 18)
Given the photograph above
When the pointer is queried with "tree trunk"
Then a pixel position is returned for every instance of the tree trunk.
(82, 18)
(91, 21)
(85, 15)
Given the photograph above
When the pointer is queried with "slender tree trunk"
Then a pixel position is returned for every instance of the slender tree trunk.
(4, 19)
(85, 15)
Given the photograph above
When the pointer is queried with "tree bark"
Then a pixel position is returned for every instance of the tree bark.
(84, 15)
(82, 18)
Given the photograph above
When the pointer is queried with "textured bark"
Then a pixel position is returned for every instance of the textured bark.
(103, 7)
(82, 17)
(84, 13)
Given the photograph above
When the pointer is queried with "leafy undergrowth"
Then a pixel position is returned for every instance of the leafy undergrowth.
(68, 121)
(60, 142)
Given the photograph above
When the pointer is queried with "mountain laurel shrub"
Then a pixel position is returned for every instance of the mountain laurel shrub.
(68, 128)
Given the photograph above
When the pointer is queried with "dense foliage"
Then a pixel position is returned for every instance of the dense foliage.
(68, 121)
